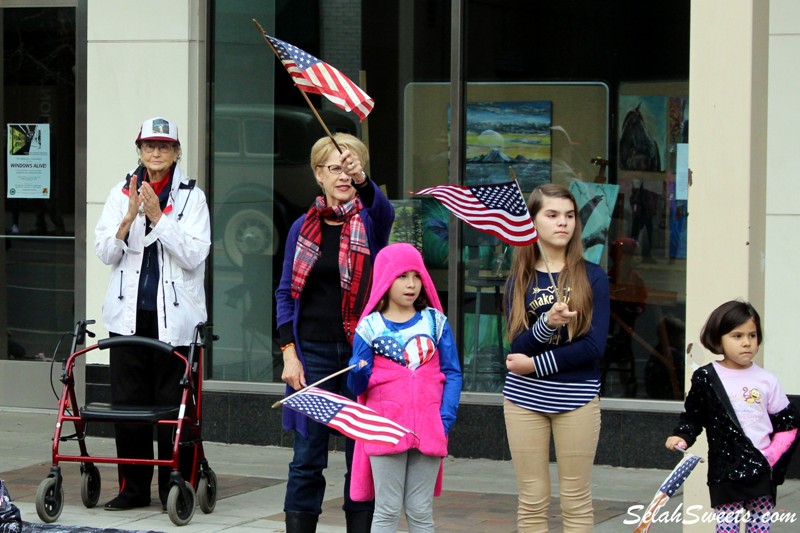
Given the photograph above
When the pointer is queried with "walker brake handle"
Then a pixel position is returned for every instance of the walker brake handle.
(81, 332)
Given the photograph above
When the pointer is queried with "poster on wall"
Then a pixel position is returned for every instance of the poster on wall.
(28, 161)
(678, 176)
(509, 135)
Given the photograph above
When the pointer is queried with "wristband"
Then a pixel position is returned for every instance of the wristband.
(287, 345)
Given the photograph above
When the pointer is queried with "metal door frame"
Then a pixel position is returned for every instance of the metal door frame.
(24, 384)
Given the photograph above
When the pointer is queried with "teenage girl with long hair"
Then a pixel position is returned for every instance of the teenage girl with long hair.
(558, 312)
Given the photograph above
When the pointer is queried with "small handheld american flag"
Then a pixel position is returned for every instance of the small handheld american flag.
(667, 490)
(498, 209)
(352, 419)
(313, 75)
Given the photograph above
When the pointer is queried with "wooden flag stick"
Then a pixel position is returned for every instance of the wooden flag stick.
(308, 101)
(326, 378)
(687, 452)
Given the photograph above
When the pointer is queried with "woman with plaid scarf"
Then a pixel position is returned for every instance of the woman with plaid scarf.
(325, 283)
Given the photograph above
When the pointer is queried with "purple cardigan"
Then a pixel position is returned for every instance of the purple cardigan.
(378, 216)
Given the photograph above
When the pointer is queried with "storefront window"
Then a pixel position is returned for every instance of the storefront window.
(242, 177)
(546, 86)
(633, 211)
(37, 258)
(261, 136)
(647, 253)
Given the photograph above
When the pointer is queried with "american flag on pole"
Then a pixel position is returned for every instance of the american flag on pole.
(672, 484)
(498, 209)
(354, 420)
(313, 75)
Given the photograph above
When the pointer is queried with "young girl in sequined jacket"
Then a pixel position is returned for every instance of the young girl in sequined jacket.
(750, 424)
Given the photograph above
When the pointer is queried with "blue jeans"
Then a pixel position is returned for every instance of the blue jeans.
(305, 489)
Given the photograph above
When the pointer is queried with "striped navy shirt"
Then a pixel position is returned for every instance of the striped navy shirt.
(567, 373)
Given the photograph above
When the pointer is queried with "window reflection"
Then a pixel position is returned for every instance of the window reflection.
(409, 137)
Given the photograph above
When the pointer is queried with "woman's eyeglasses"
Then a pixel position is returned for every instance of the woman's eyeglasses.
(151, 147)
(333, 169)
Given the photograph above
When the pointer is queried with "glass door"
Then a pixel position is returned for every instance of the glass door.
(37, 256)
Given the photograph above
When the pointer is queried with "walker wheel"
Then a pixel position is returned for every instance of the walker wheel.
(207, 491)
(180, 504)
(90, 485)
(49, 504)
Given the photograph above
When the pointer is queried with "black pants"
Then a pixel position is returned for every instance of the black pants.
(144, 377)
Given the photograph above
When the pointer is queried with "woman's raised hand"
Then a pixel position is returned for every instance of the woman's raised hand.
(352, 166)
(133, 199)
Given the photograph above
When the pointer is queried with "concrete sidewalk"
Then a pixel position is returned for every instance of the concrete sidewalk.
(479, 495)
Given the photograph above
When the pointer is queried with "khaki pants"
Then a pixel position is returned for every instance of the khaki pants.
(575, 434)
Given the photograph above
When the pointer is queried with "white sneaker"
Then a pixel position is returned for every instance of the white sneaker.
(15, 229)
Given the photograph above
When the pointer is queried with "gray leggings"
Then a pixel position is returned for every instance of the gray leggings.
(404, 480)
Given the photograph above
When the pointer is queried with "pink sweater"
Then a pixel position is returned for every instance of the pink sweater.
(413, 399)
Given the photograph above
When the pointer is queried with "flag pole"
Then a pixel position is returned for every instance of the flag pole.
(670, 485)
(308, 101)
(326, 378)
(687, 452)
(538, 244)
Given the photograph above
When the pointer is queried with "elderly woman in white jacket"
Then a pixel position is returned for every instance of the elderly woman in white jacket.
(155, 234)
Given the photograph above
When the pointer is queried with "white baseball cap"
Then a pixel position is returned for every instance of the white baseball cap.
(158, 129)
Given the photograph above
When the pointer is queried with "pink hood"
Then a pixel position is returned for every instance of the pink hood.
(392, 261)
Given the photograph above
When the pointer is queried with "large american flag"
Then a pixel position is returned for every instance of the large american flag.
(354, 420)
(498, 209)
(313, 75)
(667, 490)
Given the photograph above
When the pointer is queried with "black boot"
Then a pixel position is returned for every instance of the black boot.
(301, 522)
(359, 521)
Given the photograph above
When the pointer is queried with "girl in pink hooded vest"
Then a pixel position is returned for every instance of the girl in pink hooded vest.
(408, 371)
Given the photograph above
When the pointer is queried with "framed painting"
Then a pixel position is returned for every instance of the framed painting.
(509, 139)
(642, 133)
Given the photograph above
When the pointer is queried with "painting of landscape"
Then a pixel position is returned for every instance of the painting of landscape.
(509, 135)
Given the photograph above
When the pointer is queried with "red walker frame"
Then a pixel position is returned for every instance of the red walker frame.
(186, 418)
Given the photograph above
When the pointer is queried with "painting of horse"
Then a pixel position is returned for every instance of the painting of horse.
(642, 133)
